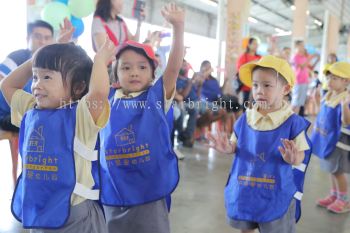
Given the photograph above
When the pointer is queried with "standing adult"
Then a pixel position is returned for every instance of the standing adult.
(107, 20)
(249, 55)
(300, 63)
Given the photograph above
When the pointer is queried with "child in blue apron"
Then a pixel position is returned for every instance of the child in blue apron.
(331, 136)
(271, 149)
(59, 124)
(138, 165)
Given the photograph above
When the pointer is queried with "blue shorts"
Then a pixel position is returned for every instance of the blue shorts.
(299, 95)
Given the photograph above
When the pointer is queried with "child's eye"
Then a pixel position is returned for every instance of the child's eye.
(47, 77)
(267, 85)
(255, 85)
(143, 67)
(35, 78)
(125, 68)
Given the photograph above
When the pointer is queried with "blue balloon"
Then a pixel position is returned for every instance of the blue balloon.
(78, 25)
(63, 1)
(310, 49)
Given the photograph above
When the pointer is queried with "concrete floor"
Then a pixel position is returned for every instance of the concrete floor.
(197, 205)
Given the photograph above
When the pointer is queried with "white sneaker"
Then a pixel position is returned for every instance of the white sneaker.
(179, 154)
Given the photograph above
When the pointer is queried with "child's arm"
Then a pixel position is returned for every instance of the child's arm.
(290, 152)
(16, 80)
(346, 110)
(97, 97)
(176, 17)
(221, 143)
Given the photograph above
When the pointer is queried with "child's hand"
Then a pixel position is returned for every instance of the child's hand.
(221, 143)
(107, 52)
(66, 31)
(173, 14)
(289, 152)
(346, 101)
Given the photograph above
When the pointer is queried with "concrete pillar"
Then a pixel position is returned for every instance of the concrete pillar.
(219, 36)
(348, 49)
(236, 17)
(330, 38)
(299, 20)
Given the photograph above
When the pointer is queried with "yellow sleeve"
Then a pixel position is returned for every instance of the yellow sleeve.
(301, 142)
(233, 138)
(21, 102)
(86, 130)
(168, 102)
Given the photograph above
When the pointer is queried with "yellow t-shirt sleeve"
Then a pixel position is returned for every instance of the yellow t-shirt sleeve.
(21, 102)
(233, 138)
(301, 142)
(168, 102)
(86, 129)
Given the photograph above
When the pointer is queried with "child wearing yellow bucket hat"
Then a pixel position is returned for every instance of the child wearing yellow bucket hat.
(330, 136)
(271, 150)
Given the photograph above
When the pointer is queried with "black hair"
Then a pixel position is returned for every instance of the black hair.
(38, 24)
(204, 63)
(138, 51)
(103, 10)
(250, 41)
(298, 42)
(71, 61)
(280, 77)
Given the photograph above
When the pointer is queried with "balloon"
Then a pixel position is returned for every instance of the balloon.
(54, 13)
(65, 2)
(78, 26)
(81, 8)
(310, 49)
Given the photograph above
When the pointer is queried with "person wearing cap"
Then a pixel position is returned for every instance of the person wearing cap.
(139, 168)
(330, 136)
(263, 190)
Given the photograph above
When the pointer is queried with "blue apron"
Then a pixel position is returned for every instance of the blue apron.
(43, 192)
(138, 164)
(261, 184)
(326, 131)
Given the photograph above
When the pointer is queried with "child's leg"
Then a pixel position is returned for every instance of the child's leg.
(341, 205)
(328, 200)
(14, 156)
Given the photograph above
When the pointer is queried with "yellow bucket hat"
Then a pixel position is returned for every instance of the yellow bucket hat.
(340, 69)
(269, 61)
(326, 68)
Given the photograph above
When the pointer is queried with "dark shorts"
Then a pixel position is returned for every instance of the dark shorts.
(5, 124)
(285, 224)
(147, 218)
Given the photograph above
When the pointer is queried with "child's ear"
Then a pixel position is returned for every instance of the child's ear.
(79, 89)
(286, 89)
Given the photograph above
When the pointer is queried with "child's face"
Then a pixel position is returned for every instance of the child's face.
(48, 89)
(134, 72)
(336, 83)
(268, 90)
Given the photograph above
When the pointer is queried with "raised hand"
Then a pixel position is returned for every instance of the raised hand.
(107, 52)
(66, 31)
(221, 143)
(289, 151)
(173, 14)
